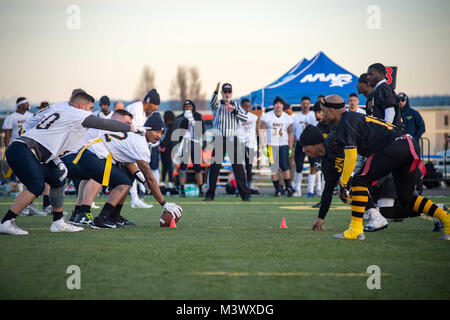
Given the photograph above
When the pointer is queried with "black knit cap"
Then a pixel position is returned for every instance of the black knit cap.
(311, 136)
(154, 122)
(152, 97)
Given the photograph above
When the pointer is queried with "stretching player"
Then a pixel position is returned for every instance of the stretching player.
(277, 126)
(388, 150)
(110, 159)
(34, 156)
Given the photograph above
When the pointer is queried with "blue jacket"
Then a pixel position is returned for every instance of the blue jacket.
(413, 122)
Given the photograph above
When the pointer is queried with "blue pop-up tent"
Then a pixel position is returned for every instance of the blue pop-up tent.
(311, 78)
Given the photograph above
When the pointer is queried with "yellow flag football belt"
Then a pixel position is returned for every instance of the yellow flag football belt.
(9, 172)
(108, 165)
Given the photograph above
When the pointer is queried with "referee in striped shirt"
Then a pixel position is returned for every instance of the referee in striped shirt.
(226, 117)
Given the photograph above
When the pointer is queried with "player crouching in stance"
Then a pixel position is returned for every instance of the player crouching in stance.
(388, 151)
(126, 151)
(34, 156)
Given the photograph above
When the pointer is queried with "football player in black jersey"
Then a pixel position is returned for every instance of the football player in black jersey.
(388, 151)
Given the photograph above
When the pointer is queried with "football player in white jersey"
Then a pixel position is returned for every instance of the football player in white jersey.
(34, 156)
(276, 136)
(249, 131)
(140, 111)
(353, 102)
(104, 112)
(300, 121)
(13, 123)
(124, 150)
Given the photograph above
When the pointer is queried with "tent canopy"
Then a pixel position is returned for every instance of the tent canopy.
(311, 78)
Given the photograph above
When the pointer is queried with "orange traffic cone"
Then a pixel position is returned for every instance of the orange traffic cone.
(172, 223)
(283, 224)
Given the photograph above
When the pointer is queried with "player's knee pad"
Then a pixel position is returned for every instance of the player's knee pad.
(57, 196)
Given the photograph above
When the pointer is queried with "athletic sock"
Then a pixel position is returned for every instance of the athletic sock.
(107, 211)
(359, 199)
(423, 205)
(77, 209)
(85, 209)
(276, 184)
(182, 189)
(8, 216)
(116, 212)
(311, 182)
(57, 215)
(200, 186)
(46, 201)
(287, 183)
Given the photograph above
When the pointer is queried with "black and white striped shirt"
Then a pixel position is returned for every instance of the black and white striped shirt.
(225, 121)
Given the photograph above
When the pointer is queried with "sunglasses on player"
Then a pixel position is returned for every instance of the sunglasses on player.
(226, 91)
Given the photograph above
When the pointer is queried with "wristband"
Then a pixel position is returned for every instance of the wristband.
(163, 203)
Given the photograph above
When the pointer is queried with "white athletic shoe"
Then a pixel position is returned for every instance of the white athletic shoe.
(445, 236)
(62, 226)
(360, 236)
(10, 227)
(298, 192)
(48, 210)
(94, 206)
(32, 211)
(140, 204)
(25, 212)
(376, 222)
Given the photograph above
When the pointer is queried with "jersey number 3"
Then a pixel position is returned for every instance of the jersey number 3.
(48, 121)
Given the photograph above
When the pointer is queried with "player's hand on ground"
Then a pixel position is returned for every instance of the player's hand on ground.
(343, 194)
(318, 225)
(174, 209)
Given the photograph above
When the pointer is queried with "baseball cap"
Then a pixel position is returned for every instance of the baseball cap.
(227, 87)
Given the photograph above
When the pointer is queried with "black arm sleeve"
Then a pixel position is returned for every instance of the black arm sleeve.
(327, 196)
(105, 124)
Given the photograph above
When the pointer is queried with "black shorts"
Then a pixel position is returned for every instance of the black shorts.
(93, 167)
(280, 156)
(30, 171)
(74, 171)
(195, 151)
(395, 158)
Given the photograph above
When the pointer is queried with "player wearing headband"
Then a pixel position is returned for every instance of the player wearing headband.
(388, 150)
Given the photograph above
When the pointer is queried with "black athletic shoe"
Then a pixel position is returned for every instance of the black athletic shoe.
(126, 222)
(208, 198)
(279, 192)
(289, 192)
(247, 199)
(183, 195)
(102, 223)
(72, 216)
(317, 205)
(201, 194)
(83, 218)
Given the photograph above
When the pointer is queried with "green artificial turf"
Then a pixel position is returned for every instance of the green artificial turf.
(225, 249)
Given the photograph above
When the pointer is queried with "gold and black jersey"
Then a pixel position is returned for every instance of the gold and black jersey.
(366, 133)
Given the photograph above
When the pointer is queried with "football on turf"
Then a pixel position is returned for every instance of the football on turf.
(166, 218)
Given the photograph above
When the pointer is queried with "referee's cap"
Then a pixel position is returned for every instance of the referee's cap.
(226, 87)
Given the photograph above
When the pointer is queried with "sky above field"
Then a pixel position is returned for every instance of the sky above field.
(47, 48)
